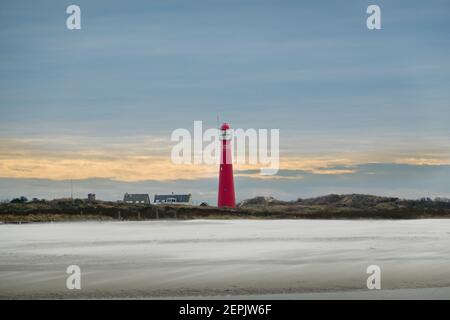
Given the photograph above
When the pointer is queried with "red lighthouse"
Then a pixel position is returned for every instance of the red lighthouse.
(226, 197)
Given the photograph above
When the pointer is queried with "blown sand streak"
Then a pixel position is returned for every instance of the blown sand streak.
(232, 258)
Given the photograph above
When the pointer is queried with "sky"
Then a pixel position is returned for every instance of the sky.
(359, 111)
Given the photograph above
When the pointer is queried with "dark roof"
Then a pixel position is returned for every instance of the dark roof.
(136, 197)
(177, 197)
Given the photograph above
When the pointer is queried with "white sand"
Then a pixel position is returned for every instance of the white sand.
(293, 259)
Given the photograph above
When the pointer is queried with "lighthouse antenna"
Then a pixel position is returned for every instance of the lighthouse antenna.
(218, 121)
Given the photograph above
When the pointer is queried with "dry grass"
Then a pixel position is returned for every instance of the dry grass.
(327, 207)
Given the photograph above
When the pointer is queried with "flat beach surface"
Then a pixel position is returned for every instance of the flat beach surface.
(274, 259)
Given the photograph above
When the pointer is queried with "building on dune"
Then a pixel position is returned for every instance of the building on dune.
(136, 198)
(173, 198)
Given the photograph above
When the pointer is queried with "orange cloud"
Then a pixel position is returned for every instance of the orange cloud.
(148, 158)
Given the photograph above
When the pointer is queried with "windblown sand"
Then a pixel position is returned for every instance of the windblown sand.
(227, 259)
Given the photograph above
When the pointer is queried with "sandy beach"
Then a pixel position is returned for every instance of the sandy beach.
(273, 259)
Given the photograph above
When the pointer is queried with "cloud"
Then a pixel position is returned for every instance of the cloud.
(339, 95)
(139, 158)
